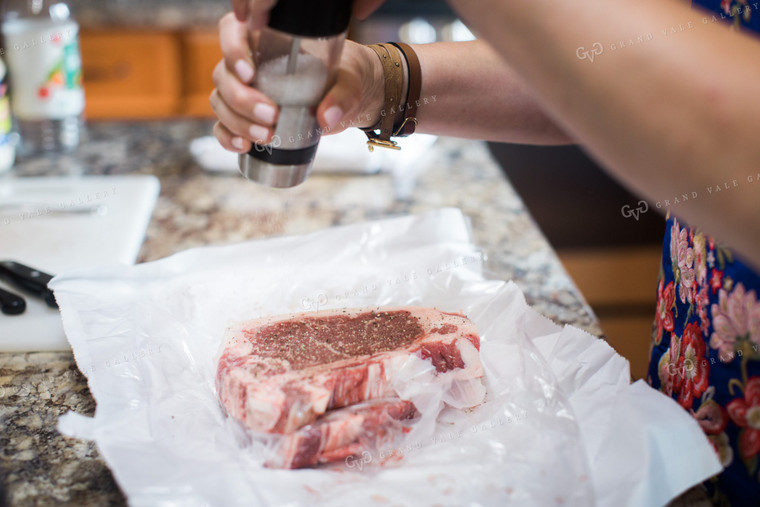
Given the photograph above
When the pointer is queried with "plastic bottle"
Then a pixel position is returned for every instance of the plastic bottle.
(7, 146)
(41, 47)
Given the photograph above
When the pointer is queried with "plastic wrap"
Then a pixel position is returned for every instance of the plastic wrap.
(147, 338)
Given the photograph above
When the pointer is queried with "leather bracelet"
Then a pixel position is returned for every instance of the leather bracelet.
(408, 122)
(398, 118)
(394, 77)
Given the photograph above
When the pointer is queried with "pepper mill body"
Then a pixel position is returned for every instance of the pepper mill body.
(296, 58)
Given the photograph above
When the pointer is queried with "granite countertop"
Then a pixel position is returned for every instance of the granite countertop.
(198, 208)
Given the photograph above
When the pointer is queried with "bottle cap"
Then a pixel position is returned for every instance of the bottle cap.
(311, 18)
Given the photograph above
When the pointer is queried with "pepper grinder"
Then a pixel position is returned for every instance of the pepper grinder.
(296, 57)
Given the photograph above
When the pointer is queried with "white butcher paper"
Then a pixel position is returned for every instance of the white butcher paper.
(560, 424)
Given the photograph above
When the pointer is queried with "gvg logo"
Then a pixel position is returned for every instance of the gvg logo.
(276, 143)
(589, 54)
(687, 367)
(359, 461)
(636, 212)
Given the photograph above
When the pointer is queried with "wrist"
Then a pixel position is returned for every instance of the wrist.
(373, 87)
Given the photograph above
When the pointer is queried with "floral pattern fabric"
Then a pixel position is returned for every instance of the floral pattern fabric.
(705, 353)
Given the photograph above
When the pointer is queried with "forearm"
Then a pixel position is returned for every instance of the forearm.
(468, 91)
(669, 115)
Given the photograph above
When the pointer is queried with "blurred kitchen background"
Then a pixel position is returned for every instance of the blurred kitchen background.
(153, 59)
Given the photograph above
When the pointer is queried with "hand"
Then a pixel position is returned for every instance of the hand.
(248, 116)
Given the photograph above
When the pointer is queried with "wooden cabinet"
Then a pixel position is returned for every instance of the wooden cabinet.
(133, 74)
(620, 285)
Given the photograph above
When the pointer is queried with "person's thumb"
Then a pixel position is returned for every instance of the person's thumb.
(340, 108)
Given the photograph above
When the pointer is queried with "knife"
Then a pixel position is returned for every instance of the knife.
(10, 303)
(28, 279)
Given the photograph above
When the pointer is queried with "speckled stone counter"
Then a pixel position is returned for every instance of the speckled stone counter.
(198, 208)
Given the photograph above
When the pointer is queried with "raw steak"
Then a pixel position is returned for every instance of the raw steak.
(345, 432)
(278, 374)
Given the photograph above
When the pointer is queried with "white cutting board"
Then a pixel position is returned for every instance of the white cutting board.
(42, 237)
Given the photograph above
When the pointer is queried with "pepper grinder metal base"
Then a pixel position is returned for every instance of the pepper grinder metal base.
(273, 175)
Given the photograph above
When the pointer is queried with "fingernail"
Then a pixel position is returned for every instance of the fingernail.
(244, 71)
(258, 133)
(238, 143)
(264, 112)
(333, 116)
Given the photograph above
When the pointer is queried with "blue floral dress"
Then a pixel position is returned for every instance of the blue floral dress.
(705, 344)
(706, 333)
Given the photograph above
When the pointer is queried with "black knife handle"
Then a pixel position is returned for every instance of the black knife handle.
(11, 304)
(29, 279)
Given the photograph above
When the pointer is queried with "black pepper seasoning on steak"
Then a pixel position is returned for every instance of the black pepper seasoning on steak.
(312, 341)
